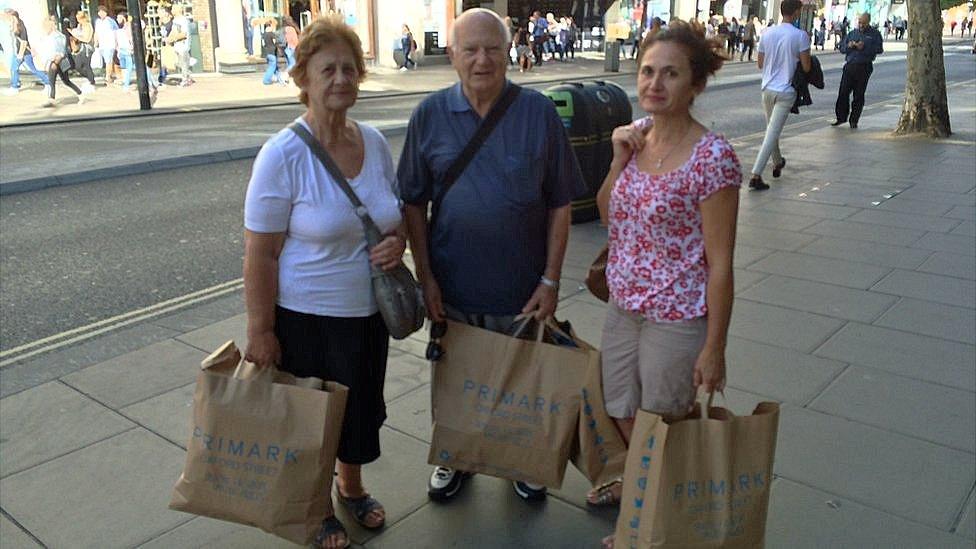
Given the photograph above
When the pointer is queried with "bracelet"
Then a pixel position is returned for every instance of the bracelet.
(554, 284)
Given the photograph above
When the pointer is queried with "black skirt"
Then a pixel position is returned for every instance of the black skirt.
(350, 351)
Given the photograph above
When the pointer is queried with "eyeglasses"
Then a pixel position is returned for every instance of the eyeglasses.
(434, 350)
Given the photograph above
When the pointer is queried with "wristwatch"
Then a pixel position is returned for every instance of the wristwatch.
(554, 284)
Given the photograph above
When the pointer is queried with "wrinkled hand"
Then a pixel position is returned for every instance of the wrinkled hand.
(626, 141)
(263, 349)
(710, 370)
(433, 300)
(388, 253)
(543, 302)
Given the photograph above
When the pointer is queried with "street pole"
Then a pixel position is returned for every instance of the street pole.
(139, 53)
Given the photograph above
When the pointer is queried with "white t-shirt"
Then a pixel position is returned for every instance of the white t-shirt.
(781, 46)
(105, 32)
(324, 266)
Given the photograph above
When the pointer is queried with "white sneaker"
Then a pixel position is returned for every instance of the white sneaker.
(11, 91)
(48, 102)
(81, 99)
(404, 69)
(87, 88)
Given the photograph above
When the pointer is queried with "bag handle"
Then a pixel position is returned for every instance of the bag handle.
(522, 320)
(373, 233)
(471, 149)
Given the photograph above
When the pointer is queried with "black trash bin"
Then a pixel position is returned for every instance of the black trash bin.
(590, 111)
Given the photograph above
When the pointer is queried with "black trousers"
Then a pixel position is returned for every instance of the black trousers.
(351, 351)
(54, 71)
(854, 79)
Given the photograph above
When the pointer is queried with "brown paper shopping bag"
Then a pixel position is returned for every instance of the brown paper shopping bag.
(600, 452)
(698, 482)
(262, 447)
(505, 406)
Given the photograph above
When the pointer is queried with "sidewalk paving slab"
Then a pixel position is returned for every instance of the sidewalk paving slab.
(930, 287)
(904, 476)
(824, 299)
(784, 375)
(168, 415)
(904, 353)
(930, 318)
(951, 243)
(801, 517)
(138, 375)
(781, 327)
(894, 236)
(947, 264)
(15, 538)
(925, 411)
(868, 252)
(49, 421)
(111, 494)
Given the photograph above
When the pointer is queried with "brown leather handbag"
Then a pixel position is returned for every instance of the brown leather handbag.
(596, 278)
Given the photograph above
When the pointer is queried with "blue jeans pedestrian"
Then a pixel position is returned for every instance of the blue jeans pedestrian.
(271, 74)
(290, 56)
(125, 60)
(28, 60)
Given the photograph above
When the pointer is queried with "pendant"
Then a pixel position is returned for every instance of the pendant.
(659, 162)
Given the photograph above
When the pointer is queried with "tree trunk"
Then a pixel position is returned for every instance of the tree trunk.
(926, 108)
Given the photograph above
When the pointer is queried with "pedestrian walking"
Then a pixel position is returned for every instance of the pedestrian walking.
(52, 51)
(669, 274)
(515, 213)
(123, 42)
(407, 47)
(733, 43)
(860, 46)
(248, 29)
(537, 28)
(310, 305)
(20, 53)
(269, 49)
(749, 38)
(81, 39)
(523, 49)
(179, 38)
(291, 33)
(781, 47)
(106, 29)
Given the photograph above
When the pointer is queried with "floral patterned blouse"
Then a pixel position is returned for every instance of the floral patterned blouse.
(657, 265)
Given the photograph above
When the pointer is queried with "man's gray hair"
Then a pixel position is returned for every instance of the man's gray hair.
(502, 27)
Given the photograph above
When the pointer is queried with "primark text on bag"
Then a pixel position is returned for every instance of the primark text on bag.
(262, 447)
(700, 481)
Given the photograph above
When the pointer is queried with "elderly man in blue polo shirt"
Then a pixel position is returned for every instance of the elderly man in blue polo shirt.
(496, 247)
(861, 46)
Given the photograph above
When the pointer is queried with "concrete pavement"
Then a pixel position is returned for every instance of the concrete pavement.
(856, 308)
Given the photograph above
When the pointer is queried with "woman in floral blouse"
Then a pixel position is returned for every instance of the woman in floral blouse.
(670, 199)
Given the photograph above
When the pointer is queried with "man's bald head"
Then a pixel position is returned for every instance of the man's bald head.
(864, 20)
(478, 21)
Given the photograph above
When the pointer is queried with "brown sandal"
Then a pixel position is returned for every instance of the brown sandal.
(603, 496)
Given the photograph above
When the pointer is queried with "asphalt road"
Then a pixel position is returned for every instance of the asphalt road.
(74, 255)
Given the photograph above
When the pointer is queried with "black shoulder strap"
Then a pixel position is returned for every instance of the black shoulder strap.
(373, 234)
(471, 149)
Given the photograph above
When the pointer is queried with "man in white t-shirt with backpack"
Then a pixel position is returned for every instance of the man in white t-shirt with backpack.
(779, 50)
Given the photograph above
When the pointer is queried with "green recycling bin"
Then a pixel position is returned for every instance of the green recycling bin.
(590, 111)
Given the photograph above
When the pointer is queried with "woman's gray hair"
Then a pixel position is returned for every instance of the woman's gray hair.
(503, 29)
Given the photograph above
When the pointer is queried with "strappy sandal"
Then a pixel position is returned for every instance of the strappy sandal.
(330, 527)
(361, 507)
(604, 494)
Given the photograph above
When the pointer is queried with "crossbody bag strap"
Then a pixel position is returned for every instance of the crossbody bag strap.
(373, 233)
(475, 143)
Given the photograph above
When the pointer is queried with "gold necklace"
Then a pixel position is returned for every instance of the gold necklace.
(661, 160)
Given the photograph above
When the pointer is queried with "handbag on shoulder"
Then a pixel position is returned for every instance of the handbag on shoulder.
(596, 278)
(398, 295)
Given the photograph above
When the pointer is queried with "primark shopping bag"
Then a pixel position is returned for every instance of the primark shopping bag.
(600, 451)
(699, 482)
(262, 447)
(505, 406)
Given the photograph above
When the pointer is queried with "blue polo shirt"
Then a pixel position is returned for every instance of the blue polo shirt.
(488, 247)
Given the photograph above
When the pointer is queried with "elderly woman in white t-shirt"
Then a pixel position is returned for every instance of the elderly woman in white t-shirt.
(310, 305)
